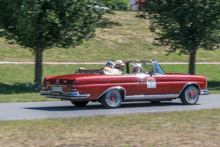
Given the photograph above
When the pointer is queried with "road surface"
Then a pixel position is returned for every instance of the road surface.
(64, 109)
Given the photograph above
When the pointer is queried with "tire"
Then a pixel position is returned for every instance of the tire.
(80, 103)
(155, 102)
(111, 99)
(190, 95)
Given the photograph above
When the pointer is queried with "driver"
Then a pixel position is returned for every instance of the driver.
(137, 68)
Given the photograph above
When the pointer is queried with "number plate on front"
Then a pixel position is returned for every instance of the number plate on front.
(58, 89)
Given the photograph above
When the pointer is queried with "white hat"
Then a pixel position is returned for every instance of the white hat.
(119, 62)
(137, 65)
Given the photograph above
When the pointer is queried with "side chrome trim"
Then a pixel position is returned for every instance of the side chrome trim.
(117, 87)
(204, 92)
(188, 85)
(139, 97)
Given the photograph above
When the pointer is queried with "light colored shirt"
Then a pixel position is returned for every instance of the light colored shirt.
(112, 71)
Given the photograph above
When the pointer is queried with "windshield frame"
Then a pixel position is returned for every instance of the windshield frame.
(156, 67)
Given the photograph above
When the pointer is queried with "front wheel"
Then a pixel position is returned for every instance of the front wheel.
(190, 95)
(80, 103)
(111, 99)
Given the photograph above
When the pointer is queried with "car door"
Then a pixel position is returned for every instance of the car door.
(156, 85)
(131, 83)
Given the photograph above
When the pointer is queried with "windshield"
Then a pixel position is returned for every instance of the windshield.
(147, 67)
(157, 68)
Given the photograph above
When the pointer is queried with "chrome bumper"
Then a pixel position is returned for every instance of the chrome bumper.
(64, 95)
(204, 92)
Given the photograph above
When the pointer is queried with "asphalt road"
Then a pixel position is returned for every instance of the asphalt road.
(64, 109)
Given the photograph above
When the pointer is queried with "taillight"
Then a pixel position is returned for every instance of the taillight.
(71, 87)
(44, 87)
(74, 82)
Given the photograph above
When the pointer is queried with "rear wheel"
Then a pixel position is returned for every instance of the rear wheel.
(190, 95)
(80, 103)
(111, 99)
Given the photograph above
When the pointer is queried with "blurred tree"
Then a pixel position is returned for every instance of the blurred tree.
(185, 25)
(43, 24)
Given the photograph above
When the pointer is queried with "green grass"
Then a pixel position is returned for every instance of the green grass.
(16, 81)
(192, 129)
(127, 38)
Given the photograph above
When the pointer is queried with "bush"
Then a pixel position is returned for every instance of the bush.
(117, 4)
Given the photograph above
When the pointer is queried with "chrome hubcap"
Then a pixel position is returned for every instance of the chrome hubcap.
(192, 94)
(113, 98)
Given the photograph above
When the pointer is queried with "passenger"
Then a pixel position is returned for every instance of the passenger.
(110, 64)
(137, 68)
(119, 65)
(109, 69)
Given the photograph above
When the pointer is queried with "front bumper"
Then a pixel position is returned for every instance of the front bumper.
(204, 92)
(64, 95)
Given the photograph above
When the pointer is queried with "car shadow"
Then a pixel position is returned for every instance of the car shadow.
(65, 108)
(148, 104)
(97, 106)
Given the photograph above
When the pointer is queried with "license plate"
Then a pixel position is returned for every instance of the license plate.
(58, 89)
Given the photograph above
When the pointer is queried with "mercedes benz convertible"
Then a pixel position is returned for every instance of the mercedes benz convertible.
(152, 84)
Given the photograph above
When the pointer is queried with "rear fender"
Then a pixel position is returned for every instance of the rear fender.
(119, 88)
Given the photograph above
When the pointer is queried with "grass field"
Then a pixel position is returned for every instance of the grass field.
(192, 129)
(16, 81)
(125, 37)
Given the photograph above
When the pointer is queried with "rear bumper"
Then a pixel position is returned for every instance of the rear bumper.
(64, 95)
(204, 92)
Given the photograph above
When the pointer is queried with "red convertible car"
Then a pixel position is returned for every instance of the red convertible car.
(152, 84)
